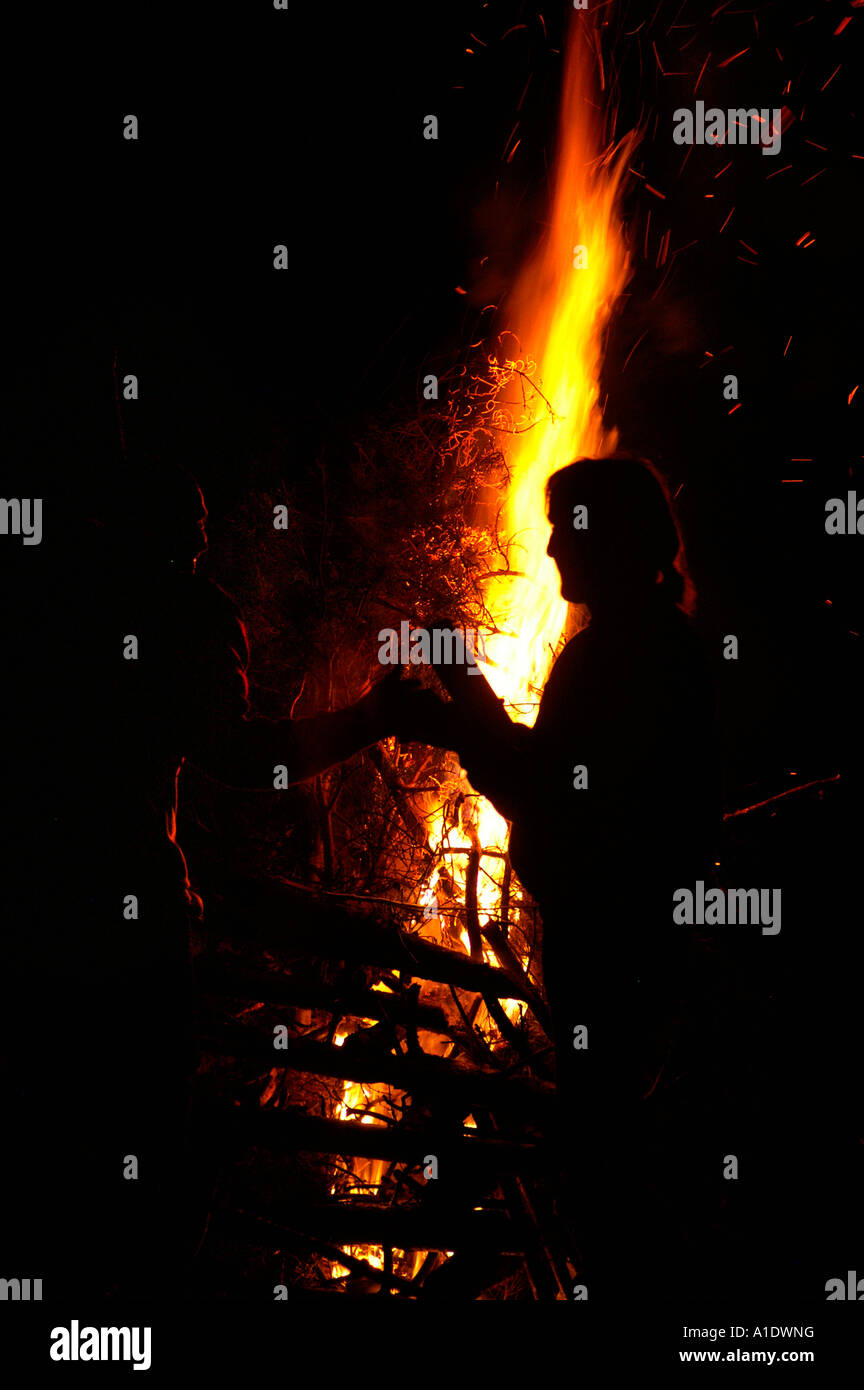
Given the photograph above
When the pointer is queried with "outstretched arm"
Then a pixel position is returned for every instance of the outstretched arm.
(227, 742)
(245, 752)
(224, 740)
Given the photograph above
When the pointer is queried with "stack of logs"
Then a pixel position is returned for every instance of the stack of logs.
(490, 1205)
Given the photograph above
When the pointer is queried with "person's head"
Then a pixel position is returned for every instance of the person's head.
(614, 536)
(154, 514)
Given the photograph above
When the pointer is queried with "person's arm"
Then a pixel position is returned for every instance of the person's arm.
(223, 739)
(247, 751)
(503, 768)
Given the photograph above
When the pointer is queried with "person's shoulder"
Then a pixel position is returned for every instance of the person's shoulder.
(220, 601)
(576, 650)
(565, 677)
(689, 637)
(206, 596)
(212, 614)
(689, 658)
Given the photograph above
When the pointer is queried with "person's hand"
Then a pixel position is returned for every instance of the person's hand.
(404, 708)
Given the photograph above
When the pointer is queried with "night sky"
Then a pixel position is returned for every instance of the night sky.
(260, 127)
(307, 129)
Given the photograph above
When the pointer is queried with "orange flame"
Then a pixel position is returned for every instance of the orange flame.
(560, 310)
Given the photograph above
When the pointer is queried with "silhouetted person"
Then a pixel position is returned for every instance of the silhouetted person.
(96, 1001)
(614, 804)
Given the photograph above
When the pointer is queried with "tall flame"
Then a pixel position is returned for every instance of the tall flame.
(559, 311)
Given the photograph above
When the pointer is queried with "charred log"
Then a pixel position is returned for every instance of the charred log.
(455, 1084)
(295, 1129)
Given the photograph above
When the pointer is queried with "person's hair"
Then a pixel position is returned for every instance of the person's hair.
(629, 500)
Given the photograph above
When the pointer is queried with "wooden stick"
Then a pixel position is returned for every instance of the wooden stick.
(220, 976)
(292, 1128)
(362, 1223)
(453, 1083)
(306, 925)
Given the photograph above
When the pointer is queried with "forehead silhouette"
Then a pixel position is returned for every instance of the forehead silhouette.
(621, 493)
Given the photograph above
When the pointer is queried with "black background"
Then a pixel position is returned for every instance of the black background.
(305, 128)
(260, 127)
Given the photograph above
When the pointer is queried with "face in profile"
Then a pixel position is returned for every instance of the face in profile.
(574, 553)
(181, 539)
(601, 568)
(614, 538)
(198, 533)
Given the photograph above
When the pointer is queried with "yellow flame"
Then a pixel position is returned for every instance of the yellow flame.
(549, 398)
(358, 1100)
(559, 311)
(404, 1264)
